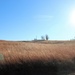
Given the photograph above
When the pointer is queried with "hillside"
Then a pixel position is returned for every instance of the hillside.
(58, 53)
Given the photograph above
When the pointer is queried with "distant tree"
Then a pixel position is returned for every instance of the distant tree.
(47, 37)
(35, 39)
(42, 37)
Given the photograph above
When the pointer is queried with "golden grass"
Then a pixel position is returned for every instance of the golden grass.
(14, 52)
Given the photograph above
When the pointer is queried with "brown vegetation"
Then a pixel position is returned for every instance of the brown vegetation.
(30, 53)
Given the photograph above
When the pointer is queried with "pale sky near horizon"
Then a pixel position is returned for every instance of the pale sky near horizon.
(26, 19)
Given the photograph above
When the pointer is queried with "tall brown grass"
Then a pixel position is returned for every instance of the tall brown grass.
(30, 52)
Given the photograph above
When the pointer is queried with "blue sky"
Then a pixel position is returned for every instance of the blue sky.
(26, 19)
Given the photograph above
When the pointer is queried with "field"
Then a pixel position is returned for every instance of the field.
(37, 57)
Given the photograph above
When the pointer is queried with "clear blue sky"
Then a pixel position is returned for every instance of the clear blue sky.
(26, 19)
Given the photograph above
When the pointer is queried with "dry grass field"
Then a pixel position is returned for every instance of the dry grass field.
(37, 57)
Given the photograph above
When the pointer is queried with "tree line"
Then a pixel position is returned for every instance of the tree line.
(46, 37)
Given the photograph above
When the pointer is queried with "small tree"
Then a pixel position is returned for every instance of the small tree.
(42, 37)
(47, 37)
(35, 39)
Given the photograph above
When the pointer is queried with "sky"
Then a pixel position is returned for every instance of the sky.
(29, 19)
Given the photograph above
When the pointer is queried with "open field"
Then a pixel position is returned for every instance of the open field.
(37, 57)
